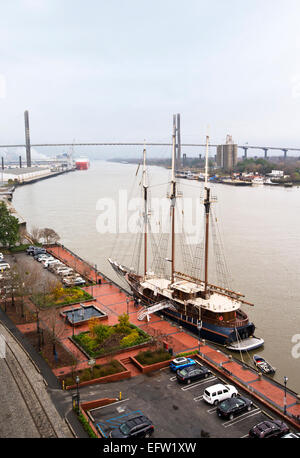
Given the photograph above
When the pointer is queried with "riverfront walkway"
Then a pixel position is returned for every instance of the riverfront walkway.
(114, 301)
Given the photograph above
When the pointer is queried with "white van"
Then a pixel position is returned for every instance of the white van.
(217, 393)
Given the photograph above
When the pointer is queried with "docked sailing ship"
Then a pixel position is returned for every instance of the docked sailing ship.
(209, 311)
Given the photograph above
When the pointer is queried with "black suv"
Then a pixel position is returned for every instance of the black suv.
(275, 428)
(35, 250)
(233, 406)
(192, 373)
(139, 426)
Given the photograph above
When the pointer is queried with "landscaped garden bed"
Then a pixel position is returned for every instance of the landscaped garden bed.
(145, 358)
(61, 297)
(151, 360)
(61, 358)
(104, 339)
(95, 373)
(18, 313)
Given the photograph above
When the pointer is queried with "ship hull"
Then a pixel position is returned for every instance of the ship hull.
(239, 338)
(220, 335)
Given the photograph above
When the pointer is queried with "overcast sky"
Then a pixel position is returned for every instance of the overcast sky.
(99, 70)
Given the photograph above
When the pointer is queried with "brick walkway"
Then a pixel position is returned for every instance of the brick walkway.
(112, 300)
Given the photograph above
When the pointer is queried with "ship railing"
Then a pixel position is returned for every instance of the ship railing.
(229, 323)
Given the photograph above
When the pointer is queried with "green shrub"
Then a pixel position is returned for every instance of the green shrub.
(151, 357)
(130, 339)
(103, 331)
(123, 327)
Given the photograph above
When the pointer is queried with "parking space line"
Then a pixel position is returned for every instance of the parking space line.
(246, 415)
(173, 378)
(109, 405)
(246, 435)
(198, 398)
(210, 411)
(101, 432)
(202, 382)
(117, 419)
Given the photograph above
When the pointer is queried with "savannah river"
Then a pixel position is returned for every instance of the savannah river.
(261, 234)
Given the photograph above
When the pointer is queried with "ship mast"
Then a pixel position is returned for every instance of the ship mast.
(145, 187)
(207, 211)
(173, 198)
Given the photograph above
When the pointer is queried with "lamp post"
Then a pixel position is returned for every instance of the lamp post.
(285, 379)
(22, 314)
(37, 322)
(73, 322)
(127, 300)
(199, 327)
(77, 385)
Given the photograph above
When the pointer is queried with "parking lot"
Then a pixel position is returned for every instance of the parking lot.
(28, 264)
(176, 410)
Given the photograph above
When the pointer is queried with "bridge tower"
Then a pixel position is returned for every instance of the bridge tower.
(27, 139)
(245, 148)
(178, 142)
(266, 152)
(284, 153)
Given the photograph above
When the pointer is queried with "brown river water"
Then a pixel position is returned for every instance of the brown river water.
(260, 227)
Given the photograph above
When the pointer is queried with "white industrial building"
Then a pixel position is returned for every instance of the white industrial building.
(24, 173)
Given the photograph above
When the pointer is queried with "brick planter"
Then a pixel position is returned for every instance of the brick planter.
(89, 405)
(150, 367)
(115, 352)
(106, 379)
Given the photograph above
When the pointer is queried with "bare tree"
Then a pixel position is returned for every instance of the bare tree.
(49, 235)
(56, 326)
(35, 235)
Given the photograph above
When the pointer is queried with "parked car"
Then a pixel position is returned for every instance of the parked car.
(68, 271)
(217, 393)
(79, 281)
(30, 249)
(54, 266)
(180, 363)
(73, 281)
(65, 273)
(139, 426)
(42, 257)
(1, 257)
(192, 373)
(234, 406)
(34, 250)
(266, 429)
(63, 268)
(48, 263)
(4, 266)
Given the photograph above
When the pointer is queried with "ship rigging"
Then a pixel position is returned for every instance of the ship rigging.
(186, 299)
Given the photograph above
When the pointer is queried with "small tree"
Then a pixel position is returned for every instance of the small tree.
(35, 235)
(49, 235)
(92, 323)
(124, 324)
(9, 227)
(56, 326)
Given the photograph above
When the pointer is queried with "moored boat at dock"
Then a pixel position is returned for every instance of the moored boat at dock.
(263, 365)
(209, 311)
